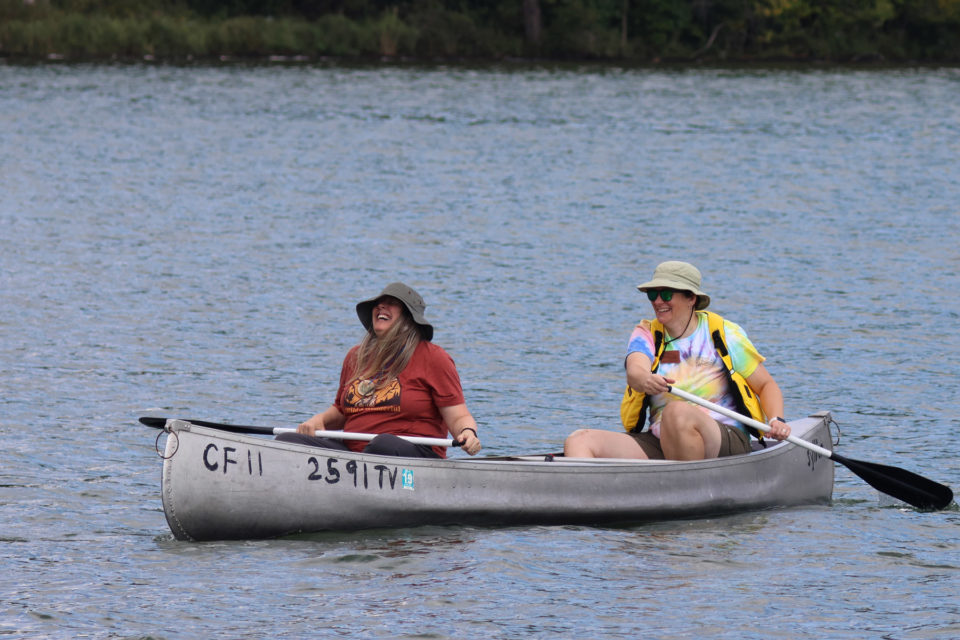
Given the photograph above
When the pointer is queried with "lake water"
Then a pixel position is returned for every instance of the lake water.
(191, 242)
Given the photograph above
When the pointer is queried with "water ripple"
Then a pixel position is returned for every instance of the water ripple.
(191, 241)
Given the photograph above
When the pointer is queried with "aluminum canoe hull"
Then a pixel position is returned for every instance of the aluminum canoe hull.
(218, 485)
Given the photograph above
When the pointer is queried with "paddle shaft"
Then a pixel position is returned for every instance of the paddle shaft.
(756, 424)
(159, 423)
(908, 486)
(349, 435)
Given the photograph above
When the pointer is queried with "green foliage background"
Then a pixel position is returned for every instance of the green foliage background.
(633, 31)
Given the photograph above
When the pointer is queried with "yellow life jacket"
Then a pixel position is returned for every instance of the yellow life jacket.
(633, 406)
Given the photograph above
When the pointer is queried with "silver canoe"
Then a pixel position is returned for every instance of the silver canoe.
(219, 485)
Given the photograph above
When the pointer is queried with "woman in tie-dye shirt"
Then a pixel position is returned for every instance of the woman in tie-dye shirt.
(680, 430)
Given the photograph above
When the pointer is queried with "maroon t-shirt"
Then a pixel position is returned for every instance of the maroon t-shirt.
(407, 406)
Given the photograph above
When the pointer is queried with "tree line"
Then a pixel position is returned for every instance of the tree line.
(631, 31)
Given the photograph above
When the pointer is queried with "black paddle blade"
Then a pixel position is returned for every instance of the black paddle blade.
(158, 423)
(904, 485)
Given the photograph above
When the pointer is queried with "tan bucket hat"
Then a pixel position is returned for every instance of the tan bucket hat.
(682, 276)
(410, 299)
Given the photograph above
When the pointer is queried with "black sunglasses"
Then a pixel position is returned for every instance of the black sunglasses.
(665, 294)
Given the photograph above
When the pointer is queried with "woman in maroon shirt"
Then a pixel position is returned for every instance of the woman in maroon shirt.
(395, 382)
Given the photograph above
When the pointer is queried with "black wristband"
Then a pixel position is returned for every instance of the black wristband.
(771, 420)
(470, 429)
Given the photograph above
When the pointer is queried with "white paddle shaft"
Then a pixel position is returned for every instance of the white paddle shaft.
(756, 424)
(347, 435)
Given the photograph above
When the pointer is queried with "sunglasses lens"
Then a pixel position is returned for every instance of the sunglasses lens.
(665, 294)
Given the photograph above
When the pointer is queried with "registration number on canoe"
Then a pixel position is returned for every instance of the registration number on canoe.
(377, 476)
(319, 469)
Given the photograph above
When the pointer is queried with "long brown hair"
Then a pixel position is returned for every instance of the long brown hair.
(382, 359)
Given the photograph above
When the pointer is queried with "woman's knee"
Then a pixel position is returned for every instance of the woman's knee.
(678, 415)
(677, 422)
(579, 442)
(675, 410)
(387, 444)
(579, 434)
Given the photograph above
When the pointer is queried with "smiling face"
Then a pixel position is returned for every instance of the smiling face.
(386, 311)
(676, 310)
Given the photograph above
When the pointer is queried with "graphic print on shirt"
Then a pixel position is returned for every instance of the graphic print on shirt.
(384, 399)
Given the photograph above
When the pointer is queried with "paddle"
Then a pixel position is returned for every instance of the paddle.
(904, 485)
(159, 423)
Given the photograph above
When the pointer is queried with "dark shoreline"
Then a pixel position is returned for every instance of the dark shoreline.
(480, 64)
(53, 31)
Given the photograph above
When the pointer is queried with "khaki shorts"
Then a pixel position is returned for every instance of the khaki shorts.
(732, 442)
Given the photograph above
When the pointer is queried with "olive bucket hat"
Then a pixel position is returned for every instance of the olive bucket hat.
(682, 276)
(410, 299)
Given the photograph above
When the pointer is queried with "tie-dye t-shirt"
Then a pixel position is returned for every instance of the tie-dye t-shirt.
(697, 368)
